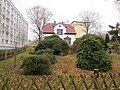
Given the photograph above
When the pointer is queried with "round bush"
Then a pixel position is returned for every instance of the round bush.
(49, 51)
(36, 65)
(91, 55)
(57, 49)
(88, 36)
(40, 45)
(51, 58)
(52, 36)
(65, 47)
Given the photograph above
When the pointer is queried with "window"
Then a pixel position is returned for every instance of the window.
(6, 41)
(8, 5)
(3, 25)
(68, 40)
(2, 40)
(4, 1)
(11, 36)
(11, 23)
(59, 31)
(7, 20)
(7, 27)
(4, 17)
(2, 33)
(4, 9)
(10, 42)
(8, 12)
(12, 10)
(7, 34)
(12, 16)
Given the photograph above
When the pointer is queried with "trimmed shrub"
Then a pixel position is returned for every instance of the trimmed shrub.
(21, 57)
(55, 43)
(91, 55)
(57, 49)
(36, 65)
(49, 51)
(65, 47)
(52, 36)
(40, 45)
(84, 37)
(51, 58)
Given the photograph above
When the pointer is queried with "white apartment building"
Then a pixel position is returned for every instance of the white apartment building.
(13, 26)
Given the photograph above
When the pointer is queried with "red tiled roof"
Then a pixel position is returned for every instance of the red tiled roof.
(49, 28)
(69, 28)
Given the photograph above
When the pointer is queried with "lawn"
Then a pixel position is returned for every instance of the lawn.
(65, 65)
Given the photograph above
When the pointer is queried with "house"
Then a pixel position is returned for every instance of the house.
(64, 31)
(79, 28)
(118, 30)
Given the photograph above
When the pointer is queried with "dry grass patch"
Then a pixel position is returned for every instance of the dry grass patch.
(66, 66)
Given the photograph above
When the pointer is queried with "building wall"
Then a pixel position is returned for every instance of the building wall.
(73, 37)
(79, 28)
(14, 30)
(119, 30)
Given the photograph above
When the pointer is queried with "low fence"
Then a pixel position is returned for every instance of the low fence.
(4, 54)
(82, 82)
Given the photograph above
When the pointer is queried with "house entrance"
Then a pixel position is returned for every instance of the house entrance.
(68, 40)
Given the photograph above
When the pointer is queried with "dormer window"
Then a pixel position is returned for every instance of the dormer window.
(59, 31)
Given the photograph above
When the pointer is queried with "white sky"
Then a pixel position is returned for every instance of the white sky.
(69, 10)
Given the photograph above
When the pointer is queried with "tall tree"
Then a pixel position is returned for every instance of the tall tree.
(107, 40)
(91, 20)
(113, 32)
(39, 16)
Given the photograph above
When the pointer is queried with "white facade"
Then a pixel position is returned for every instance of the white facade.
(14, 28)
(64, 35)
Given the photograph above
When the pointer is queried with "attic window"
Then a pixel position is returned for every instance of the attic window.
(59, 31)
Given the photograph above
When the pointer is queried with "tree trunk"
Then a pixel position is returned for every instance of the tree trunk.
(39, 38)
(87, 30)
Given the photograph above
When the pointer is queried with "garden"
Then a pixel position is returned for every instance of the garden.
(53, 65)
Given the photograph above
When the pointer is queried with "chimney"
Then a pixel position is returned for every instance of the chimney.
(54, 22)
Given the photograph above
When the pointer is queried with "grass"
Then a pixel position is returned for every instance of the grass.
(7, 67)
(65, 66)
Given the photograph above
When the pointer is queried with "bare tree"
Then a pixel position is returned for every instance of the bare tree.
(91, 20)
(39, 16)
(0, 26)
(0, 22)
(117, 3)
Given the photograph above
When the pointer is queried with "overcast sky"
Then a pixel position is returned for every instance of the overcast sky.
(64, 10)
